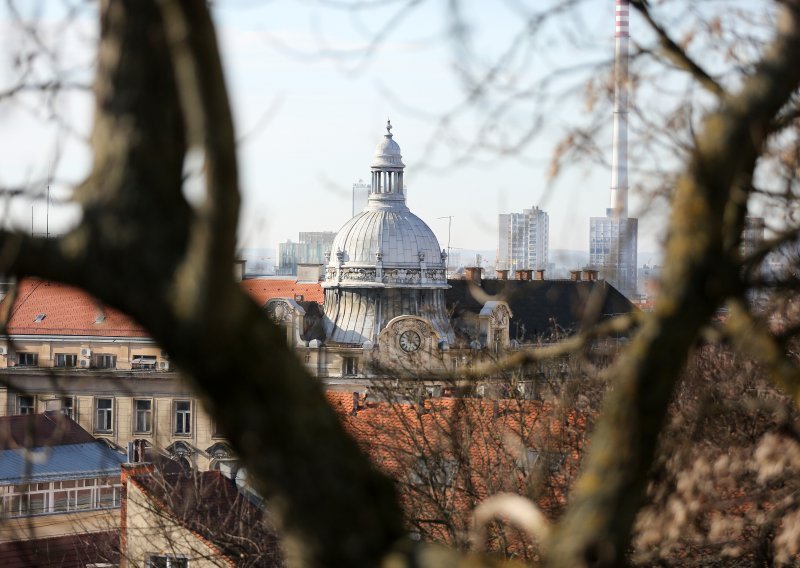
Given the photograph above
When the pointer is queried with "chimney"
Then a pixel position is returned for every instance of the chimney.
(310, 272)
(540, 274)
(502, 274)
(524, 274)
(354, 412)
(619, 149)
(575, 275)
(421, 403)
(239, 269)
(473, 273)
(590, 275)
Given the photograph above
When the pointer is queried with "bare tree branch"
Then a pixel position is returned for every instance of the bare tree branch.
(708, 206)
(677, 54)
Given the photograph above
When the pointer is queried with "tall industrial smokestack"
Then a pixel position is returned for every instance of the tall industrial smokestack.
(613, 239)
(619, 151)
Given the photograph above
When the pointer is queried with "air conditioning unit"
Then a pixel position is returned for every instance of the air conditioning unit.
(3, 350)
(164, 365)
(86, 352)
(84, 363)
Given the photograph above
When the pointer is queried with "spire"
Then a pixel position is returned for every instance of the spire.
(388, 128)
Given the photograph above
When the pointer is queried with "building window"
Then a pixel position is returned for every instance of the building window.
(66, 360)
(166, 561)
(83, 494)
(143, 416)
(27, 359)
(104, 414)
(183, 417)
(349, 366)
(143, 362)
(216, 431)
(26, 404)
(68, 406)
(104, 361)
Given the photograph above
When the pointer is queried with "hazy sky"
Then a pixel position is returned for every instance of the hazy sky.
(311, 99)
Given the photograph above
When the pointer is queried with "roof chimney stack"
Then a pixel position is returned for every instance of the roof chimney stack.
(473, 273)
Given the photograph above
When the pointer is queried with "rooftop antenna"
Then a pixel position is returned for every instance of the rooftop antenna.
(449, 224)
(47, 214)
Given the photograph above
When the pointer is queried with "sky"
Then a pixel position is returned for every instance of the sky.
(312, 87)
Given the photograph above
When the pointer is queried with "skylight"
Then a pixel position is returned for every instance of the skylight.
(39, 318)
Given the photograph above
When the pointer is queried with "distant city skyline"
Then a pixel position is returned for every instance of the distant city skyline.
(307, 109)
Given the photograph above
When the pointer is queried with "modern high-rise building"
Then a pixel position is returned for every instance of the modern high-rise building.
(310, 249)
(613, 239)
(524, 240)
(613, 242)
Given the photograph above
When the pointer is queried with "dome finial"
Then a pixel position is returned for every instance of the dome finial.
(388, 127)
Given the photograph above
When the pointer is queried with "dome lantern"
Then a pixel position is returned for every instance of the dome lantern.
(387, 167)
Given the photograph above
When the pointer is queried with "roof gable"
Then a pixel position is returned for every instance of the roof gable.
(41, 430)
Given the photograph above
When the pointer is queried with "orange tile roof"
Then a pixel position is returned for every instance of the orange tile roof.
(67, 311)
(263, 289)
(70, 311)
(479, 446)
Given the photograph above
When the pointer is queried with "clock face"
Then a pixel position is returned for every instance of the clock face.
(409, 341)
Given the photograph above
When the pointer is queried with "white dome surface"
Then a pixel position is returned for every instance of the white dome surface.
(399, 235)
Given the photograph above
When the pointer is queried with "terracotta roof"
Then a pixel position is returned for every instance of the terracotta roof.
(263, 289)
(40, 430)
(489, 436)
(67, 311)
(71, 551)
(448, 454)
(50, 308)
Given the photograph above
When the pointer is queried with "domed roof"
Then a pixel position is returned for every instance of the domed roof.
(401, 238)
(386, 245)
(387, 152)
